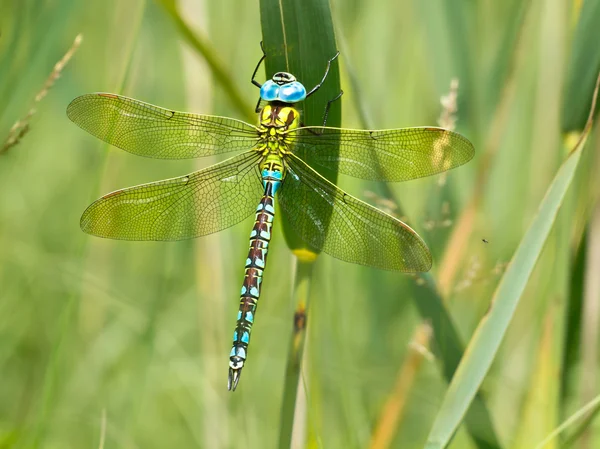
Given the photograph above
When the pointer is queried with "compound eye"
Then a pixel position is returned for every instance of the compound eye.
(269, 91)
(292, 92)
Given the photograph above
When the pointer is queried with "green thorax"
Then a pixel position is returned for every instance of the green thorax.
(275, 120)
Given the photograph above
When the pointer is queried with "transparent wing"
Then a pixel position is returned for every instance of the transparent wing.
(357, 232)
(385, 155)
(146, 130)
(201, 203)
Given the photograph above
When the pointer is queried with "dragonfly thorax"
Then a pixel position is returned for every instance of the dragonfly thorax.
(279, 116)
(275, 120)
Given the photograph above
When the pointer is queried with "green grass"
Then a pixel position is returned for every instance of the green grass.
(140, 332)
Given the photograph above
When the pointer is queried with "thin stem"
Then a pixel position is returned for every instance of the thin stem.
(448, 346)
(221, 74)
(591, 407)
(591, 320)
(52, 375)
(395, 406)
(21, 127)
(300, 295)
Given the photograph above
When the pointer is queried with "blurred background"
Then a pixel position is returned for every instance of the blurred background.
(125, 344)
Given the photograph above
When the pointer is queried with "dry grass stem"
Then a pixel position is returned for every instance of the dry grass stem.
(21, 127)
(448, 118)
(394, 408)
(449, 107)
(102, 429)
(470, 276)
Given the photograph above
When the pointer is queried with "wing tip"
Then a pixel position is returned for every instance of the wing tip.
(469, 147)
(422, 266)
(71, 108)
(73, 111)
(86, 224)
(90, 224)
(427, 266)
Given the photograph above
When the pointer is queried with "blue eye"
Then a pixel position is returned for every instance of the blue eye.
(292, 92)
(269, 91)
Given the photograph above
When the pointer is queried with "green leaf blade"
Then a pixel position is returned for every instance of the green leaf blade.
(298, 37)
(583, 68)
(486, 340)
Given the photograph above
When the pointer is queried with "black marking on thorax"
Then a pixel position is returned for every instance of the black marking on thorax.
(276, 108)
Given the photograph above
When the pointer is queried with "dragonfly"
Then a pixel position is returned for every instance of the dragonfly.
(270, 164)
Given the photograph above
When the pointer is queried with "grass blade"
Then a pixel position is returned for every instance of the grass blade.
(296, 349)
(583, 67)
(202, 46)
(298, 37)
(52, 375)
(590, 333)
(448, 347)
(395, 406)
(488, 336)
(588, 409)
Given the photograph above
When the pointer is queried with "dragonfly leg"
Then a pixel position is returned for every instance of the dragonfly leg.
(318, 86)
(326, 113)
(253, 80)
(257, 108)
(328, 105)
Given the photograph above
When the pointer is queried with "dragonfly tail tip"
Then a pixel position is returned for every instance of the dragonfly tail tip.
(234, 378)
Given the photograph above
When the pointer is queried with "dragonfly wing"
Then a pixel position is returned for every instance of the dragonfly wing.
(385, 155)
(189, 206)
(357, 232)
(146, 130)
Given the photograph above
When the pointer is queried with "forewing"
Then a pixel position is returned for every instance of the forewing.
(146, 130)
(357, 232)
(384, 155)
(201, 203)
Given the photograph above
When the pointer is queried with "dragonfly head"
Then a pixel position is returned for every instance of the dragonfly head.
(281, 78)
(283, 87)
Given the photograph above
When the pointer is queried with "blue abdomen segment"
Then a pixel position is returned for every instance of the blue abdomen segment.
(288, 93)
(274, 177)
(260, 237)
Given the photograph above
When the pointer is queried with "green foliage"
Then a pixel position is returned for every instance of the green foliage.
(298, 38)
(486, 340)
(583, 67)
(140, 332)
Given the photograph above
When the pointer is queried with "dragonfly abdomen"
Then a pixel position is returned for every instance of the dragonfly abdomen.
(260, 236)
